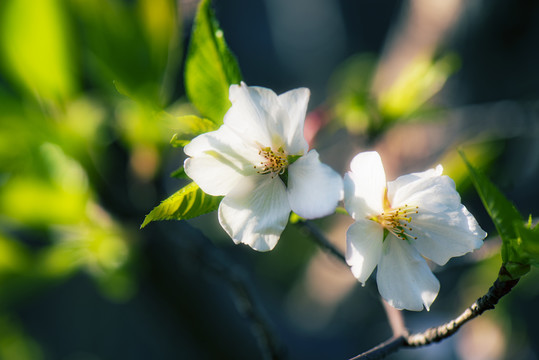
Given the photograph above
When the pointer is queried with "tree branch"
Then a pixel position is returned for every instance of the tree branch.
(322, 241)
(487, 302)
(247, 302)
(196, 249)
(484, 303)
(395, 319)
(382, 350)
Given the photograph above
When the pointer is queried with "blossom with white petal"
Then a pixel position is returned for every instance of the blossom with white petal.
(260, 161)
(400, 223)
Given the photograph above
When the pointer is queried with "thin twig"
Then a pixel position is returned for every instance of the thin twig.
(484, 303)
(249, 306)
(382, 350)
(395, 319)
(487, 302)
(322, 241)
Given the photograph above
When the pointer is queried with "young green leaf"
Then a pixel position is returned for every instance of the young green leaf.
(210, 67)
(179, 173)
(186, 203)
(529, 240)
(502, 212)
(188, 127)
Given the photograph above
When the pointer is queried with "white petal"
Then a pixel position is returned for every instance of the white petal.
(404, 278)
(255, 212)
(441, 236)
(429, 189)
(364, 247)
(218, 160)
(295, 104)
(314, 189)
(254, 114)
(365, 185)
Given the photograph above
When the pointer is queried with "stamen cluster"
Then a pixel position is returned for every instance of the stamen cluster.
(275, 162)
(397, 221)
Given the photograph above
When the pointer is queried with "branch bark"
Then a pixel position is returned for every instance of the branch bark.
(487, 302)
(484, 303)
(322, 241)
(247, 303)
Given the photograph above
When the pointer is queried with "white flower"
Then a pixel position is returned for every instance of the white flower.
(248, 160)
(398, 223)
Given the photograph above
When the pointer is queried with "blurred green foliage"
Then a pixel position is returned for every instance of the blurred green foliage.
(362, 110)
(62, 65)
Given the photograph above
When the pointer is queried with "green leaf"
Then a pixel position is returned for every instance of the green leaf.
(186, 203)
(502, 212)
(529, 241)
(179, 173)
(188, 127)
(295, 218)
(210, 67)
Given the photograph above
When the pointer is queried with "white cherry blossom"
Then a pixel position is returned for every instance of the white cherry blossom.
(260, 161)
(400, 223)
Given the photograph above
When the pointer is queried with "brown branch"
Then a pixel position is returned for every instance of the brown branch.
(322, 241)
(395, 319)
(196, 249)
(382, 350)
(247, 303)
(484, 303)
(487, 302)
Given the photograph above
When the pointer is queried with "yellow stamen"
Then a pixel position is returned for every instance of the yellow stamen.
(275, 161)
(397, 220)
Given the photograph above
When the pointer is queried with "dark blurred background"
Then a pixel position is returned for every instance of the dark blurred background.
(83, 158)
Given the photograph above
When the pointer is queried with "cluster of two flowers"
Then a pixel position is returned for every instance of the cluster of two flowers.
(260, 162)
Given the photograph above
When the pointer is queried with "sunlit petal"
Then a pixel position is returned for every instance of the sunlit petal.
(254, 113)
(404, 278)
(255, 212)
(365, 185)
(363, 248)
(218, 160)
(295, 102)
(314, 189)
(441, 236)
(429, 189)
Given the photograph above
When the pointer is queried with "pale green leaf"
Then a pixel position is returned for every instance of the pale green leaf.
(188, 127)
(210, 67)
(502, 212)
(179, 173)
(529, 241)
(186, 203)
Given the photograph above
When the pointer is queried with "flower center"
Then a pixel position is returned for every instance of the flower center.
(397, 221)
(275, 162)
